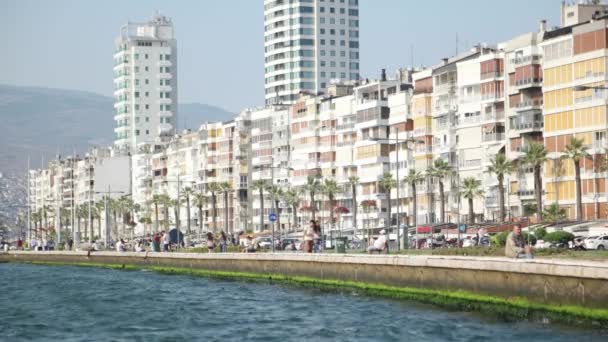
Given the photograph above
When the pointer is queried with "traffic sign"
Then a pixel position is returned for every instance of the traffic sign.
(272, 217)
(462, 228)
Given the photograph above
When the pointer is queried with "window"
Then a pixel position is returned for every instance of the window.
(147, 132)
(353, 33)
(146, 56)
(332, 75)
(136, 94)
(332, 42)
(146, 68)
(136, 56)
(136, 82)
(332, 21)
(136, 132)
(167, 57)
(342, 64)
(332, 10)
(342, 42)
(343, 75)
(136, 107)
(342, 21)
(322, 41)
(353, 44)
(342, 53)
(322, 20)
(323, 85)
(322, 63)
(332, 64)
(332, 53)
(322, 31)
(322, 52)
(147, 106)
(147, 81)
(147, 94)
(147, 120)
(342, 11)
(332, 31)
(322, 9)
(136, 69)
(322, 73)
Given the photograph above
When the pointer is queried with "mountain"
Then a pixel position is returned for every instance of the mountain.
(44, 122)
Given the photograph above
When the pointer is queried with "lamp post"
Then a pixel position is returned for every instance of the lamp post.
(107, 213)
(405, 231)
(179, 182)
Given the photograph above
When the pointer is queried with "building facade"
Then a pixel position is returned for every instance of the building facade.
(308, 44)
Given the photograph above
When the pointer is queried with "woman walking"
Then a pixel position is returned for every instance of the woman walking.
(309, 236)
(317, 238)
(223, 242)
(210, 242)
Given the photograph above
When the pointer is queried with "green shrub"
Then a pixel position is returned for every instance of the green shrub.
(540, 233)
(559, 236)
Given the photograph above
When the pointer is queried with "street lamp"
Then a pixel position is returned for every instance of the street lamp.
(405, 231)
(177, 222)
(107, 213)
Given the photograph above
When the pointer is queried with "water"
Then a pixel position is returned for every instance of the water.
(88, 304)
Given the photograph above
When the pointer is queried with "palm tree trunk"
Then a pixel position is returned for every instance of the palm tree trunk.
(200, 220)
(313, 208)
(579, 199)
(442, 201)
(188, 214)
(415, 200)
(226, 212)
(295, 216)
(501, 198)
(214, 207)
(471, 213)
(388, 222)
(538, 193)
(354, 206)
(156, 220)
(261, 210)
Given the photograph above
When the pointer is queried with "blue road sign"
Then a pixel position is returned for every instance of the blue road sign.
(462, 227)
(272, 217)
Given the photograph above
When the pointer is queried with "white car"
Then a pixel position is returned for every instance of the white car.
(597, 242)
(264, 242)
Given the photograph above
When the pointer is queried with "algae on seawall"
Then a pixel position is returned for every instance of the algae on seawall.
(515, 308)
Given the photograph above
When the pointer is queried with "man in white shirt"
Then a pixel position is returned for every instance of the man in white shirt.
(166, 241)
(120, 246)
(380, 243)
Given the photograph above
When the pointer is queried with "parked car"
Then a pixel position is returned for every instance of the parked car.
(264, 242)
(597, 242)
(289, 243)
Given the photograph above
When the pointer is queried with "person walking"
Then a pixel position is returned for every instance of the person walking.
(70, 244)
(317, 238)
(309, 237)
(156, 242)
(223, 242)
(210, 242)
(166, 241)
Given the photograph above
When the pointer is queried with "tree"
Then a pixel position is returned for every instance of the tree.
(440, 170)
(199, 201)
(260, 185)
(313, 186)
(535, 156)
(276, 193)
(226, 188)
(501, 166)
(176, 204)
(354, 181)
(214, 188)
(387, 183)
(471, 188)
(331, 189)
(292, 198)
(554, 214)
(99, 209)
(156, 201)
(127, 208)
(576, 150)
(412, 178)
(187, 194)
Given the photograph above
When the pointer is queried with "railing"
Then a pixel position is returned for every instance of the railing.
(493, 137)
(470, 163)
(525, 59)
(524, 193)
(493, 116)
(424, 149)
(492, 74)
(467, 120)
(423, 131)
(528, 81)
(345, 126)
(492, 96)
(530, 103)
(527, 125)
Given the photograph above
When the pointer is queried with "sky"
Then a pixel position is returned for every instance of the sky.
(69, 44)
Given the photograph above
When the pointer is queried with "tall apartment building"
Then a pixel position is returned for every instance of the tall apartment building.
(307, 45)
(145, 82)
(574, 57)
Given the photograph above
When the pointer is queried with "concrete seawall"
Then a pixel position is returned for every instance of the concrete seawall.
(580, 283)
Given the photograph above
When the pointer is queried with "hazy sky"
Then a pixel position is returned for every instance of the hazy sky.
(69, 44)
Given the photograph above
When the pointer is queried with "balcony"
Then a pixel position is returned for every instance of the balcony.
(492, 97)
(473, 163)
(493, 137)
(528, 104)
(492, 75)
(494, 116)
(423, 131)
(529, 82)
(525, 60)
(469, 120)
(527, 125)
(423, 149)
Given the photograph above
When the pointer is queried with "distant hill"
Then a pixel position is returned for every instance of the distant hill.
(43, 121)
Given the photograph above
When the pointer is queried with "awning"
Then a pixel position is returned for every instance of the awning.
(423, 229)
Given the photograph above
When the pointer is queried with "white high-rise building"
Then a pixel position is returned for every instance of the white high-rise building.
(309, 44)
(145, 82)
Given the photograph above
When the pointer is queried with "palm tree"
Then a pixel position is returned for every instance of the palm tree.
(260, 185)
(99, 209)
(187, 194)
(127, 207)
(199, 201)
(214, 188)
(165, 201)
(331, 189)
(156, 201)
(576, 150)
(226, 187)
(501, 166)
(554, 214)
(387, 183)
(292, 198)
(176, 203)
(440, 170)
(412, 178)
(535, 156)
(276, 193)
(354, 181)
(313, 186)
(471, 188)
(35, 217)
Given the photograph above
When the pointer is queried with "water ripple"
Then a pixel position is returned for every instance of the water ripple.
(87, 304)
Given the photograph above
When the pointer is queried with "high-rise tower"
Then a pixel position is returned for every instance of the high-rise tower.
(145, 82)
(307, 45)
